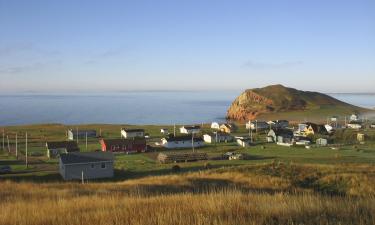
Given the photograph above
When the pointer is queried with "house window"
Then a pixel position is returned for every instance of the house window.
(92, 166)
(102, 165)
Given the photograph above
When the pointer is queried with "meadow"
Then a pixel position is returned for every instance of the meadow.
(275, 185)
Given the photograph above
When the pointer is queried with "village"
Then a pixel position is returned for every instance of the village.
(87, 153)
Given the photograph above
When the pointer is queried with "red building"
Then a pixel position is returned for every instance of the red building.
(132, 145)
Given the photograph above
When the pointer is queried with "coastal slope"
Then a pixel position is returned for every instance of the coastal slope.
(278, 99)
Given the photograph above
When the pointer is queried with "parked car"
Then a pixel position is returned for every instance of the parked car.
(5, 169)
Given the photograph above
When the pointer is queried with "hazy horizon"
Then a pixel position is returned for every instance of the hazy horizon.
(96, 46)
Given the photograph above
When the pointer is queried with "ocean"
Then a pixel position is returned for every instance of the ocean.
(160, 107)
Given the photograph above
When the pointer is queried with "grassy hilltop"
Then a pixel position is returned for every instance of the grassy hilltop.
(277, 101)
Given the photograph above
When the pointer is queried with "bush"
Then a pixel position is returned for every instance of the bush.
(176, 168)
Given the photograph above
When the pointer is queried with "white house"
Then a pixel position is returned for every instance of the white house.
(182, 142)
(164, 131)
(354, 117)
(131, 133)
(243, 141)
(354, 125)
(372, 125)
(257, 125)
(215, 125)
(190, 129)
(219, 136)
(329, 128)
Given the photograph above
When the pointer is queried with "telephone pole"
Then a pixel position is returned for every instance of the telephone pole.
(16, 147)
(27, 165)
(86, 141)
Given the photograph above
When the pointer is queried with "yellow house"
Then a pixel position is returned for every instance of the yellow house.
(227, 128)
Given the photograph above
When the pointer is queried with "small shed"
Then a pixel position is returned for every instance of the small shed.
(74, 134)
(55, 148)
(164, 131)
(181, 157)
(321, 142)
(361, 137)
(243, 141)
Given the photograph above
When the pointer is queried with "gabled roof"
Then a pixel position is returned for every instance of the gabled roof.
(122, 141)
(183, 138)
(191, 127)
(68, 145)
(283, 132)
(86, 157)
(132, 130)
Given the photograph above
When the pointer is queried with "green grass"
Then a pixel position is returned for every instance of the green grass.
(145, 164)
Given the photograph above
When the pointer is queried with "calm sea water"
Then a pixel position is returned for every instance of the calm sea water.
(129, 107)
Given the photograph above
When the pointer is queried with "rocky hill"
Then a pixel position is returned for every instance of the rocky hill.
(277, 98)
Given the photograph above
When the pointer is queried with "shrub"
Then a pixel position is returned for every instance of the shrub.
(176, 168)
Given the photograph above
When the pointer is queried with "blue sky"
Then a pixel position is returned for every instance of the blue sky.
(186, 45)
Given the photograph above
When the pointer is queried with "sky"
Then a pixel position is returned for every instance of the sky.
(95, 46)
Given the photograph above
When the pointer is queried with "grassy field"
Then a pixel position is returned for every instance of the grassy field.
(275, 185)
(254, 194)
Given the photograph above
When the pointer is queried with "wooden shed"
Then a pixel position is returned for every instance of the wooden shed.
(181, 157)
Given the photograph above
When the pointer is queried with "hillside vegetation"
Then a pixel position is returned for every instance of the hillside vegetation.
(276, 99)
(263, 194)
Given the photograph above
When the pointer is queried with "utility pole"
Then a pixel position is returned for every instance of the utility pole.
(27, 165)
(16, 147)
(256, 126)
(100, 132)
(8, 144)
(82, 180)
(86, 141)
(77, 134)
(174, 130)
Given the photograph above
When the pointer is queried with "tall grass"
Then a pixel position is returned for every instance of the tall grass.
(271, 194)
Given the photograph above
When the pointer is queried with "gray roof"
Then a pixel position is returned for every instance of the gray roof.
(86, 157)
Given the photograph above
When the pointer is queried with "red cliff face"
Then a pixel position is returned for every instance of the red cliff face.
(248, 106)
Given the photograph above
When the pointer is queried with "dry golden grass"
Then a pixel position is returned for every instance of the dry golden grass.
(250, 195)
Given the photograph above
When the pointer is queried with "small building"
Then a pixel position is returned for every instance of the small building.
(228, 128)
(217, 137)
(278, 124)
(354, 117)
(372, 125)
(257, 125)
(329, 128)
(181, 157)
(129, 145)
(190, 129)
(302, 140)
(280, 136)
(361, 137)
(354, 125)
(86, 165)
(185, 141)
(321, 142)
(236, 156)
(55, 148)
(164, 131)
(132, 133)
(215, 125)
(334, 118)
(74, 134)
(243, 141)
